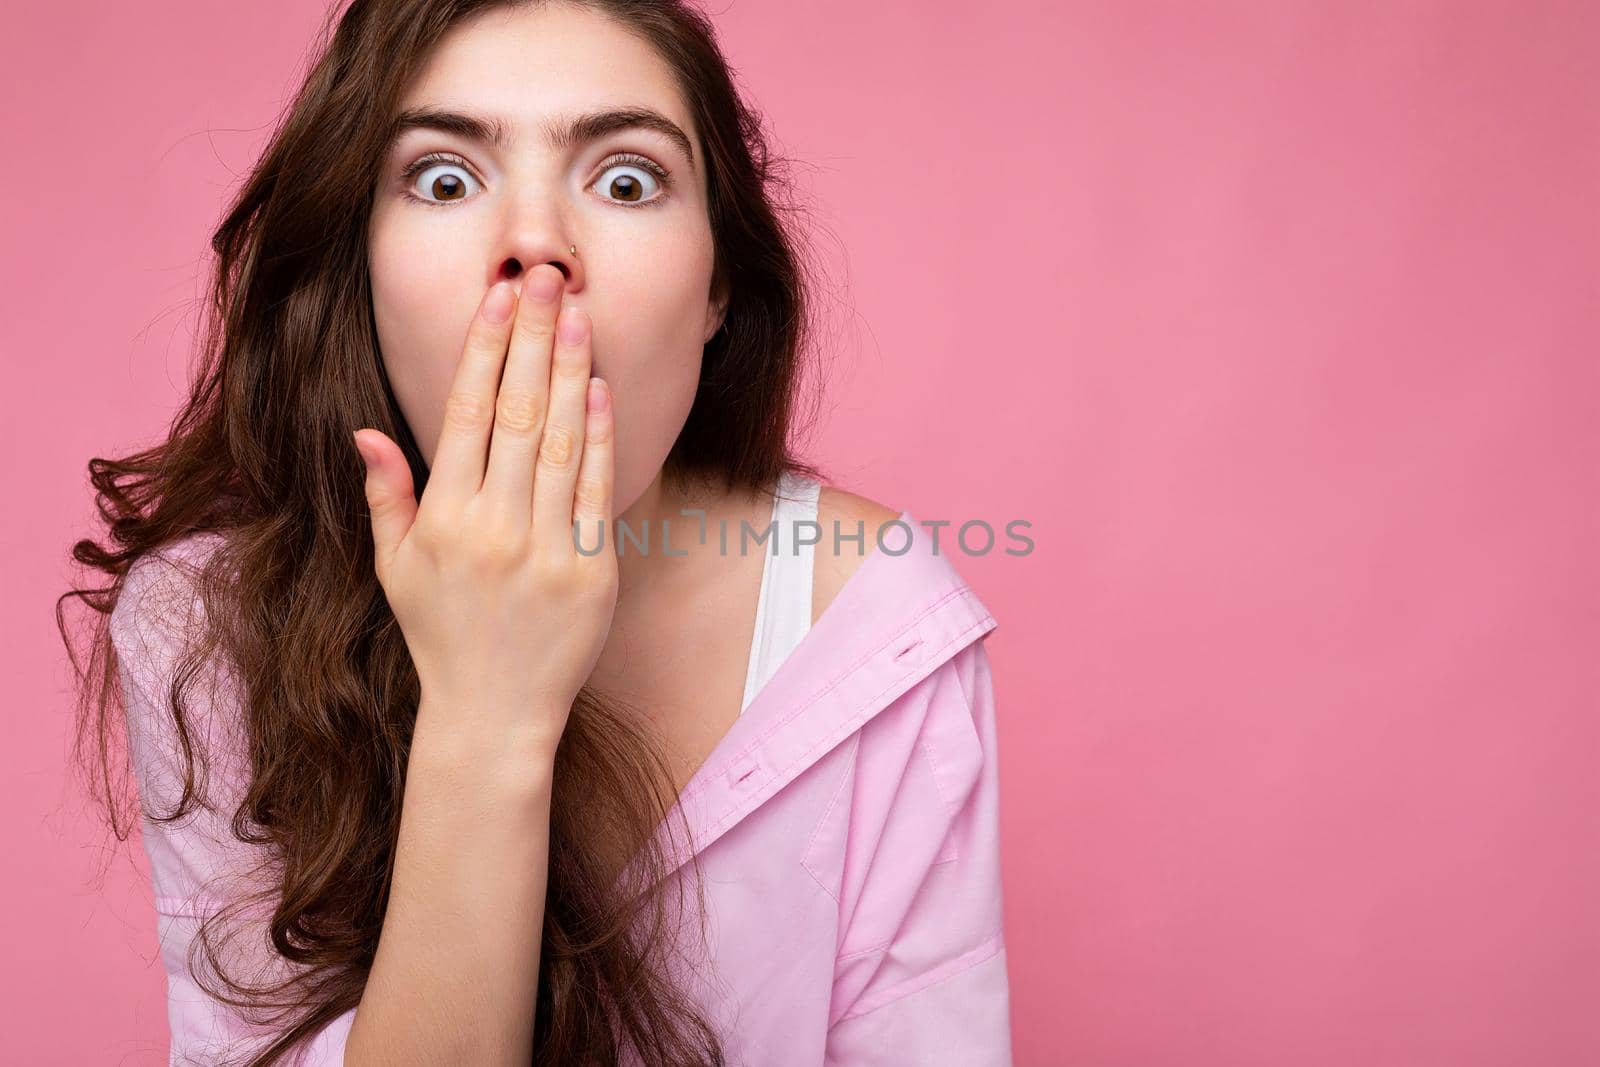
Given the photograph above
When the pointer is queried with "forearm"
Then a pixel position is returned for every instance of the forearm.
(456, 971)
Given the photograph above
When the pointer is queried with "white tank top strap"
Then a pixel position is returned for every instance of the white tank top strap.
(783, 613)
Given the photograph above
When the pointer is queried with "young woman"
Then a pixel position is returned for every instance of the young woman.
(425, 776)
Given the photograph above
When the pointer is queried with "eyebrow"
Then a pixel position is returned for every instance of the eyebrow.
(560, 134)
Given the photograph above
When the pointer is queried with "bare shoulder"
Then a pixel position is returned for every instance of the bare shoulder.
(833, 568)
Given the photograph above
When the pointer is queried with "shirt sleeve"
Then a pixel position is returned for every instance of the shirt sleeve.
(197, 865)
(921, 976)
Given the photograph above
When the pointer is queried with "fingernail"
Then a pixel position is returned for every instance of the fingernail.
(542, 285)
(597, 396)
(497, 307)
(573, 327)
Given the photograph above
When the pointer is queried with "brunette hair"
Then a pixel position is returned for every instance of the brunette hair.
(260, 455)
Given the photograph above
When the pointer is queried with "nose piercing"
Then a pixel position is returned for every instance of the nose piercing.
(573, 249)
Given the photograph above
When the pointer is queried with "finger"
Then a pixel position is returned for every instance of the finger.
(391, 496)
(458, 461)
(592, 500)
(561, 448)
(524, 397)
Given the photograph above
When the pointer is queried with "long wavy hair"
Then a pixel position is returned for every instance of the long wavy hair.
(260, 455)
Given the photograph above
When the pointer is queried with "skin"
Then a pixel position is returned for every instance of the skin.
(679, 639)
(642, 272)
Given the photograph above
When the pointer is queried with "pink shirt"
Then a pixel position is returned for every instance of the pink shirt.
(846, 827)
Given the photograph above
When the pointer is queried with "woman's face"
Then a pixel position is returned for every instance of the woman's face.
(644, 261)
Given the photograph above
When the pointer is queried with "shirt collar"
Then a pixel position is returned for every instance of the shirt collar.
(898, 617)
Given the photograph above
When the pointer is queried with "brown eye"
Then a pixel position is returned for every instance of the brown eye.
(443, 183)
(628, 183)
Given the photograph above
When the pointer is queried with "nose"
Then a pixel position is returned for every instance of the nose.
(515, 268)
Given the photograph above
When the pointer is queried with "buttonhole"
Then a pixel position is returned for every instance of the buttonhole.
(901, 654)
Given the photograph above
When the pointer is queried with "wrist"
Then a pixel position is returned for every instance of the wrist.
(453, 735)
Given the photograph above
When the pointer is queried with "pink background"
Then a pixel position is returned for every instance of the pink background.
(1278, 321)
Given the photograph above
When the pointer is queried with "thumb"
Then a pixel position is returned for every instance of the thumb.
(391, 496)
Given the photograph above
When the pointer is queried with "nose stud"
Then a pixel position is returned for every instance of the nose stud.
(573, 249)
